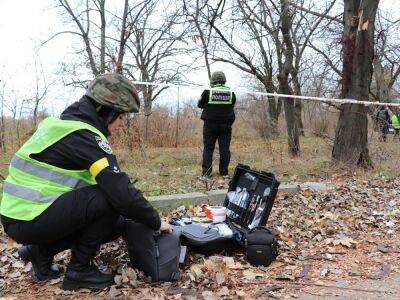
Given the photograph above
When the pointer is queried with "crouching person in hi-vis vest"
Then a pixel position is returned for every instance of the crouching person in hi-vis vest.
(218, 116)
(65, 189)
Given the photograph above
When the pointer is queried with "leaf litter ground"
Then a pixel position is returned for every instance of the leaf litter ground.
(348, 233)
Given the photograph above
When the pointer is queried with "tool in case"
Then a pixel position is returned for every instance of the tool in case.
(250, 197)
(248, 204)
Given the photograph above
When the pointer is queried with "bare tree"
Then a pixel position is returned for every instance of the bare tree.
(103, 33)
(285, 63)
(245, 43)
(18, 107)
(386, 59)
(2, 125)
(351, 139)
(303, 29)
(200, 15)
(83, 22)
(269, 41)
(41, 90)
(141, 40)
(154, 47)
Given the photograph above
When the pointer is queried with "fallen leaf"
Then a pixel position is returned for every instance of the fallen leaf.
(196, 271)
(224, 291)
(55, 281)
(209, 295)
(345, 241)
(220, 278)
(324, 271)
(266, 290)
(249, 275)
(209, 265)
(114, 292)
(18, 265)
(235, 266)
(240, 293)
(385, 272)
(118, 279)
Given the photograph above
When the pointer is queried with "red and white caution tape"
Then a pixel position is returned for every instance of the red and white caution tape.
(310, 98)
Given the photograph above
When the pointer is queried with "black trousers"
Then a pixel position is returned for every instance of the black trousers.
(80, 220)
(383, 127)
(212, 132)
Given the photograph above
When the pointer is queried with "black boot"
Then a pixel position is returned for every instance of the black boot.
(42, 268)
(86, 276)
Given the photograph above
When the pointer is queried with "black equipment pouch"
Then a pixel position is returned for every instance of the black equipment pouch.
(156, 254)
(261, 246)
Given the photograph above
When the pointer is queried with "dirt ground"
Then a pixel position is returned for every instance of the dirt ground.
(340, 243)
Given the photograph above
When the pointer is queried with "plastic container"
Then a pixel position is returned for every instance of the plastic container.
(218, 213)
(208, 213)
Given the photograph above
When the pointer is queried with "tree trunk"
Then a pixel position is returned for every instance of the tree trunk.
(35, 115)
(298, 106)
(129, 134)
(274, 110)
(351, 138)
(123, 38)
(274, 106)
(381, 81)
(103, 25)
(147, 111)
(2, 125)
(177, 121)
(146, 128)
(2, 128)
(283, 78)
(292, 130)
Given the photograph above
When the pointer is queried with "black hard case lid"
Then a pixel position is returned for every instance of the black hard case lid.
(257, 187)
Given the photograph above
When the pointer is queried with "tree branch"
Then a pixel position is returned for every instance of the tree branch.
(324, 15)
(327, 58)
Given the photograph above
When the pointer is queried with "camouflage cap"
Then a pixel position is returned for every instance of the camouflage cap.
(115, 91)
(218, 77)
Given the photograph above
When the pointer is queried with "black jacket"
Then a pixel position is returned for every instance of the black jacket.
(80, 149)
(383, 116)
(216, 113)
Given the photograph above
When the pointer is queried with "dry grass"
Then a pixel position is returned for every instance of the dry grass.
(157, 167)
(176, 170)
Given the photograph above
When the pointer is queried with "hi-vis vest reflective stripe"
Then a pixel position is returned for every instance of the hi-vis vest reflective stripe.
(31, 185)
(395, 122)
(220, 97)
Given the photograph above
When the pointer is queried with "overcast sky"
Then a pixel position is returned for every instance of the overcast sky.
(25, 23)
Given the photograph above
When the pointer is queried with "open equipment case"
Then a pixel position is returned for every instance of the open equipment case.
(249, 202)
(253, 210)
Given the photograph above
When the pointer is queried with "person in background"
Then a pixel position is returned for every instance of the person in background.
(396, 126)
(65, 189)
(383, 122)
(218, 116)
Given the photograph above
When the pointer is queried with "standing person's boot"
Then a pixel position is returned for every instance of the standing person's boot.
(86, 276)
(42, 262)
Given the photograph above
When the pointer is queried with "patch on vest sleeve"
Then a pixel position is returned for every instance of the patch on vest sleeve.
(98, 166)
(103, 145)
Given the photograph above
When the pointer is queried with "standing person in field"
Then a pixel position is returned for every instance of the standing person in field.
(65, 189)
(396, 126)
(383, 122)
(218, 116)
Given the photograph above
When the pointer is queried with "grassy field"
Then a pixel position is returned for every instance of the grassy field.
(158, 171)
